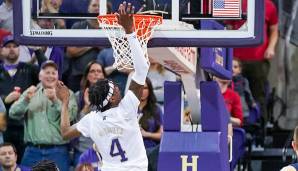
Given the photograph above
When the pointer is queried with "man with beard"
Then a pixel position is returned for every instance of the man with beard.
(15, 77)
(8, 158)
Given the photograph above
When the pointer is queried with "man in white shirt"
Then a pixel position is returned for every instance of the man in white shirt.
(114, 126)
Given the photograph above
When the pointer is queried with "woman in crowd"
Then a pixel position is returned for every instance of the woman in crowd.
(91, 75)
(150, 117)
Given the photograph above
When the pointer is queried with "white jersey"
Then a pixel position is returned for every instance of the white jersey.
(117, 135)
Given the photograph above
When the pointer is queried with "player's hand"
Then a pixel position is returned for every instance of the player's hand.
(125, 17)
(269, 53)
(62, 92)
(125, 71)
(30, 93)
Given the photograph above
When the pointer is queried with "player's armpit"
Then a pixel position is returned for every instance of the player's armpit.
(136, 88)
(70, 133)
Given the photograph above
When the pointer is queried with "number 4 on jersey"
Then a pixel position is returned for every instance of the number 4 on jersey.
(121, 152)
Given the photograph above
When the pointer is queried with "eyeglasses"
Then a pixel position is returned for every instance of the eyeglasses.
(95, 70)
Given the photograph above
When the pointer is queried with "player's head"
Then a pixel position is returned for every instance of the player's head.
(93, 72)
(237, 68)
(295, 140)
(104, 94)
(45, 165)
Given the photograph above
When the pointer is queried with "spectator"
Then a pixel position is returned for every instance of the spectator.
(91, 156)
(54, 53)
(8, 158)
(53, 6)
(106, 59)
(158, 75)
(3, 33)
(78, 57)
(6, 19)
(241, 85)
(3, 123)
(232, 101)
(78, 7)
(42, 120)
(92, 74)
(256, 60)
(150, 117)
(45, 165)
(294, 166)
(15, 77)
(85, 167)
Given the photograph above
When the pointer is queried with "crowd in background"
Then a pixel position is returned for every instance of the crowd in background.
(30, 110)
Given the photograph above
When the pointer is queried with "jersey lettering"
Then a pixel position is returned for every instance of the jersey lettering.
(121, 152)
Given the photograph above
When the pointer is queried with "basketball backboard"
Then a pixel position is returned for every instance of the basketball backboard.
(36, 23)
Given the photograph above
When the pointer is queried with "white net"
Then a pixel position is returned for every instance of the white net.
(144, 27)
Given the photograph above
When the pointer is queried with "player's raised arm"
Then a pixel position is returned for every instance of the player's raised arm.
(141, 67)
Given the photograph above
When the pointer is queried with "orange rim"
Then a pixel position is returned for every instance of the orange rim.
(153, 20)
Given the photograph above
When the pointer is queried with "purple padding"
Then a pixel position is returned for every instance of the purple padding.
(238, 145)
(172, 106)
(206, 145)
(208, 62)
(214, 116)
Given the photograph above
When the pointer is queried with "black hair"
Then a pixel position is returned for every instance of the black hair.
(98, 93)
(5, 144)
(45, 165)
(149, 110)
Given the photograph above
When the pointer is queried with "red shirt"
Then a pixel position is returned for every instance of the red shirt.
(3, 33)
(233, 104)
(257, 53)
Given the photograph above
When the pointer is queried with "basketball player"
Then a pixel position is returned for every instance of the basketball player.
(114, 126)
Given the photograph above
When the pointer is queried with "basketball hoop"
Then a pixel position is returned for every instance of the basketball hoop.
(143, 27)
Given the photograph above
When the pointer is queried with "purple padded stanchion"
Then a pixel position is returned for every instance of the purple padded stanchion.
(194, 150)
(172, 106)
(238, 145)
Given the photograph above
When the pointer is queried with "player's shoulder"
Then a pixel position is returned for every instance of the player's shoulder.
(92, 115)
